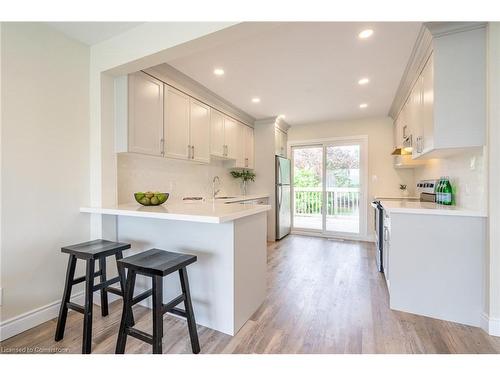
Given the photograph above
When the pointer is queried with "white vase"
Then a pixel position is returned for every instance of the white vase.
(405, 193)
(243, 187)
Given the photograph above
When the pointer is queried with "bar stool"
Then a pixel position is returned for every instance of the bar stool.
(90, 252)
(156, 263)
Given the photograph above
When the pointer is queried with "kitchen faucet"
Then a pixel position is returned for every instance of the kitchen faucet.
(215, 192)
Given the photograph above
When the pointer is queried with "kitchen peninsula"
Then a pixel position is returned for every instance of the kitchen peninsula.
(228, 282)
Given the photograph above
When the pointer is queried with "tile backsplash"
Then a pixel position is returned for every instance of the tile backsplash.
(467, 175)
(177, 177)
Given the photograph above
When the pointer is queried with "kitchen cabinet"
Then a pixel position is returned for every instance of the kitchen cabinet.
(187, 127)
(176, 124)
(249, 148)
(199, 131)
(245, 152)
(446, 105)
(280, 139)
(217, 144)
(145, 114)
(231, 134)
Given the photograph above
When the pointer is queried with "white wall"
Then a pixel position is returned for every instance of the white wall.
(177, 177)
(45, 161)
(467, 172)
(383, 179)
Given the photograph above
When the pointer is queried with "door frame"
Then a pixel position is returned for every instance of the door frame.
(363, 202)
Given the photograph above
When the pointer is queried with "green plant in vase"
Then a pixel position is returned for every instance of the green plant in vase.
(245, 175)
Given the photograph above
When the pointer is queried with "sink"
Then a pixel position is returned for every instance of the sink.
(224, 197)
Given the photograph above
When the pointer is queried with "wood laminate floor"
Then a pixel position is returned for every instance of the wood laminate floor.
(323, 296)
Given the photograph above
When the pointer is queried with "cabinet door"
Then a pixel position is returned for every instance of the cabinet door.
(217, 147)
(428, 105)
(277, 141)
(283, 143)
(241, 145)
(199, 130)
(176, 120)
(249, 147)
(231, 133)
(145, 109)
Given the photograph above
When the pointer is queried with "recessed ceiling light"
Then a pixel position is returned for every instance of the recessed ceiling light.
(219, 72)
(365, 34)
(363, 81)
(256, 100)
(363, 105)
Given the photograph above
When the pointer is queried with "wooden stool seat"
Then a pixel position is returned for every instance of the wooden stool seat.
(156, 263)
(95, 249)
(90, 252)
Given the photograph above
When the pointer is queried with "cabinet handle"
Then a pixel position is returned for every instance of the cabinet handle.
(192, 152)
(162, 147)
(189, 151)
(246, 162)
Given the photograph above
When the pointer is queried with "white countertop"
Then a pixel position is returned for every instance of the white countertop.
(427, 208)
(242, 198)
(202, 212)
(400, 198)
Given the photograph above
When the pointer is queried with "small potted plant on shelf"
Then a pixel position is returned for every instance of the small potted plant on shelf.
(245, 176)
(404, 191)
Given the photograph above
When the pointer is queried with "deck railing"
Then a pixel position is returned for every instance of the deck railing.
(340, 201)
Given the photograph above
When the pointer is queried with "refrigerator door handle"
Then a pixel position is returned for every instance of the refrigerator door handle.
(280, 199)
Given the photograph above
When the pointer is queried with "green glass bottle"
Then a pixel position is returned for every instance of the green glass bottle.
(439, 188)
(447, 192)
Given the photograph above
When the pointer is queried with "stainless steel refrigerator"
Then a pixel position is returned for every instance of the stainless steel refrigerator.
(283, 197)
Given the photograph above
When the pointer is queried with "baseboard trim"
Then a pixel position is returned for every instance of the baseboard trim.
(490, 325)
(33, 318)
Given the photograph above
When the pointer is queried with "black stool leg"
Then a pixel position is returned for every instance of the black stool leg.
(157, 314)
(121, 274)
(104, 293)
(89, 302)
(68, 285)
(193, 333)
(127, 308)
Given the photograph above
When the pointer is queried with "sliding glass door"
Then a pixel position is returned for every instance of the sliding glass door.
(329, 187)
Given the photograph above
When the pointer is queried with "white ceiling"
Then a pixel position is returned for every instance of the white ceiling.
(308, 71)
(93, 32)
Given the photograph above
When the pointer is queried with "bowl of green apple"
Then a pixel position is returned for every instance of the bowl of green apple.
(151, 198)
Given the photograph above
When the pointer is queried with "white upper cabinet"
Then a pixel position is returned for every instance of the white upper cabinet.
(427, 142)
(249, 148)
(446, 106)
(217, 145)
(165, 121)
(199, 131)
(231, 133)
(145, 114)
(280, 139)
(176, 119)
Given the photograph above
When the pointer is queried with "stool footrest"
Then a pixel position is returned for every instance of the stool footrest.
(170, 305)
(81, 279)
(75, 307)
(178, 312)
(106, 283)
(142, 296)
(146, 337)
(113, 290)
